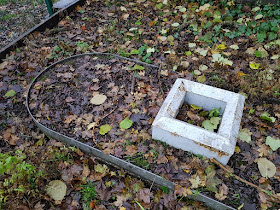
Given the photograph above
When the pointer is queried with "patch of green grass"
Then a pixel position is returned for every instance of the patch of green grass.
(88, 192)
(18, 175)
(3, 2)
(140, 160)
(8, 16)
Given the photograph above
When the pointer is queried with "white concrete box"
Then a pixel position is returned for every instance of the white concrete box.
(197, 140)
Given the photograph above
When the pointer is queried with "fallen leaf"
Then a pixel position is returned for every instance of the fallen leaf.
(223, 191)
(234, 46)
(101, 168)
(245, 135)
(120, 199)
(161, 159)
(266, 116)
(3, 64)
(131, 150)
(104, 129)
(196, 107)
(260, 16)
(250, 51)
(126, 123)
(254, 65)
(125, 16)
(240, 74)
(197, 72)
(150, 50)
(273, 143)
(221, 47)
(175, 24)
(91, 125)
(195, 181)
(86, 171)
(191, 45)
(138, 67)
(56, 189)
(98, 99)
(212, 182)
(203, 67)
(10, 93)
(201, 79)
(144, 195)
(162, 38)
(274, 57)
(266, 167)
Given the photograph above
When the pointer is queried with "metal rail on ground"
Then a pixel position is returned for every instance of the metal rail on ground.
(110, 159)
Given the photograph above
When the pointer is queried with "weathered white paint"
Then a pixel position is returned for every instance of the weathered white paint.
(191, 138)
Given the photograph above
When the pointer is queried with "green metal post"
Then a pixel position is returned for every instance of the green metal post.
(49, 6)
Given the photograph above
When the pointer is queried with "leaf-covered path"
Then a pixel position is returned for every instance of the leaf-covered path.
(229, 46)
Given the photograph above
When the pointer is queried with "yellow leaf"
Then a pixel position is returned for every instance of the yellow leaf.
(237, 149)
(254, 65)
(187, 171)
(221, 47)
(240, 74)
(78, 8)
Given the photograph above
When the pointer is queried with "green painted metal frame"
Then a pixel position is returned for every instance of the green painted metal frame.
(50, 7)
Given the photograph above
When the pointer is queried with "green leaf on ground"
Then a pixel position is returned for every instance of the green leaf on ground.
(273, 143)
(212, 182)
(138, 67)
(126, 123)
(201, 79)
(215, 121)
(10, 93)
(196, 107)
(245, 135)
(101, 169)
(134, 52)
(208, 125)
(258, 54)
(104, 129)
(266, 116)
(254, 65)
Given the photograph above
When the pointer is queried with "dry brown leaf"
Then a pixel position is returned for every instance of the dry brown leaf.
(161, 159)
(86, 171)
(120, 199)
(144, 195)
(131, 150)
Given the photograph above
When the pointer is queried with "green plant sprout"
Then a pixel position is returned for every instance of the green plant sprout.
(16, 171)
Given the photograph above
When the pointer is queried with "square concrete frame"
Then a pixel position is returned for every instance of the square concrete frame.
(192, 138)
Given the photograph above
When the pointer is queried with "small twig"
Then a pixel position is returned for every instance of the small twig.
(152, 184)
(109, 113)
(269, 193)
(159, 79)
(132, 83)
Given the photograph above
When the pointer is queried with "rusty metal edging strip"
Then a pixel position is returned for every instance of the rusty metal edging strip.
(48, 23)
(110, 159)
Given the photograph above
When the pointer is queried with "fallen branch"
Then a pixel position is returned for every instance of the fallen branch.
(269, 193)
